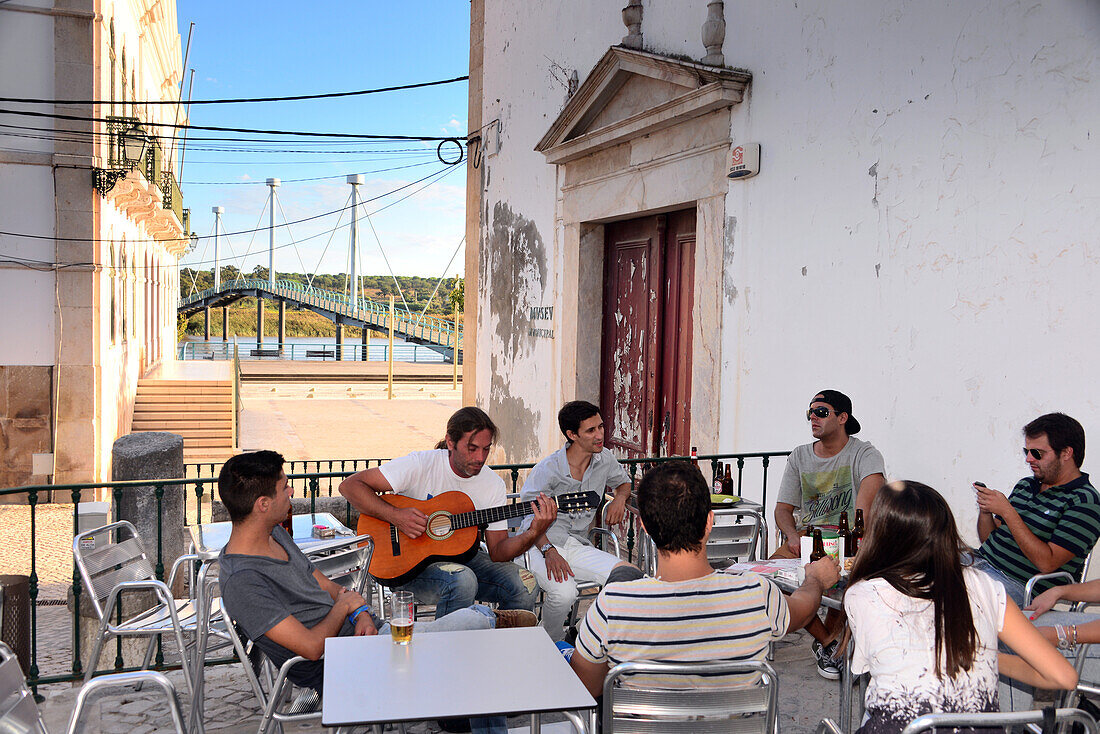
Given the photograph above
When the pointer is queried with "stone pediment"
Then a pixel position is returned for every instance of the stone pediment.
(633, 93)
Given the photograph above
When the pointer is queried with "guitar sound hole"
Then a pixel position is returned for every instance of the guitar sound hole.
(439, 525)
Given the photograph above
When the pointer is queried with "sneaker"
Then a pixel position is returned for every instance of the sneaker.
(826, 666)
(515, 618)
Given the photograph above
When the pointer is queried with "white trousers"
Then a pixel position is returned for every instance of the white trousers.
(588, 564)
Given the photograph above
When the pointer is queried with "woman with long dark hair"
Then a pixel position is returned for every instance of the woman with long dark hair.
(926, 627)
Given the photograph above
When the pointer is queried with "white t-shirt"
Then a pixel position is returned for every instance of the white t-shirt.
(895, 639)
(425, 474)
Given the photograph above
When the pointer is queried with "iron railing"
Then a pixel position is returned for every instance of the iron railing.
(313, 352)
(373, 313)
(314, 479)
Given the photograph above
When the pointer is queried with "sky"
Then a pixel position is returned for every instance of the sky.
(252, 49)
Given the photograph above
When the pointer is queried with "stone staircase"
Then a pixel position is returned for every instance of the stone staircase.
(201, 411)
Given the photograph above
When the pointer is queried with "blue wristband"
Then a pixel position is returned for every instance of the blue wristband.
(355, 615)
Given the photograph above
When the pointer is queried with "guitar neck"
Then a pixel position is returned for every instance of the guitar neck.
(490, 515)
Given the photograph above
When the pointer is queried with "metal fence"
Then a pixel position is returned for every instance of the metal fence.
(349, 351)
(313, 479)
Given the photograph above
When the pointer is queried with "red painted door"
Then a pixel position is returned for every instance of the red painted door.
(646, 352)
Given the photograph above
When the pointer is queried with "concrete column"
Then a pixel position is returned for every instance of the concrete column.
(282, 322)
(366, 343)
(225, 323)
(137, 456)
(339, 342)
(206, 323)
(259, 322)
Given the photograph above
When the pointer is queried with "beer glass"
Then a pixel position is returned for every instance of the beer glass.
(401, 617)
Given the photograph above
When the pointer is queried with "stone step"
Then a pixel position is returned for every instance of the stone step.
(174, 426)
(143, 399)
(174, 384)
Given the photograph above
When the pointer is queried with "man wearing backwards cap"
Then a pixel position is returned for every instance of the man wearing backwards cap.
(836, 473)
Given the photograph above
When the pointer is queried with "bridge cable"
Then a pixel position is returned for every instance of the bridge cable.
(440, 281)
(387, 260)
(250, 243)
(279, 203)
(330, 236)
(191, 271)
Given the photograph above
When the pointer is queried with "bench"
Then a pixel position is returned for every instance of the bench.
(322, 353)
(266, 352)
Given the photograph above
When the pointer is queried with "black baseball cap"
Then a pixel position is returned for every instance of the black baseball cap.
(841, 403)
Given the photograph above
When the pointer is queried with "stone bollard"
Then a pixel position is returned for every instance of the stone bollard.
(137, 456)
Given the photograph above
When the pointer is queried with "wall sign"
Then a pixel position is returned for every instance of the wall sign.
(541, 313)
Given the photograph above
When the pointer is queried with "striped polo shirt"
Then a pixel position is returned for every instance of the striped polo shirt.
(717, 617)
(1067, 516)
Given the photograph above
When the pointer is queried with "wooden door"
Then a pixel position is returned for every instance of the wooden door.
(646, 352)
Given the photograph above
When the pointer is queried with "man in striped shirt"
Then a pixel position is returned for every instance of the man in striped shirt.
(689, 611)
(1051, 520)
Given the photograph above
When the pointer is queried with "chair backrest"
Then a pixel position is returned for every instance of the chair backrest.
(18, 711)
(102, 567)
(688, 710)
(930, 722)
(735, 536)
(347, 563)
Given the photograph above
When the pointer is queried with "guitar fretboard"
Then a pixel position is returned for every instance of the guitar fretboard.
(490, 515)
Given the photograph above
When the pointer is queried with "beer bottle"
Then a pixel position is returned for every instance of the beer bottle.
(844, 537)
(716, 487)
(288, 522)
(857, 531)
(695, 457)
(819, 546)
(727, 482)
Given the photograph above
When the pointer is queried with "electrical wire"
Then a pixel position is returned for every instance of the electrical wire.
(242, 100)
(439, 173)
(255, 131)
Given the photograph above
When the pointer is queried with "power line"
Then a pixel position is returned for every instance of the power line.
(239, 100)
(296, 180)
(440, 173)
(170, 125)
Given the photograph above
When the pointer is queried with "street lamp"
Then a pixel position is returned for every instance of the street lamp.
(133, 144)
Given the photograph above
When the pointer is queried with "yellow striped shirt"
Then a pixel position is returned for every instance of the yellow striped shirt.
(716, 617)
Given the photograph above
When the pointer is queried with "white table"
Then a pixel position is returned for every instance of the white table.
(370, 680)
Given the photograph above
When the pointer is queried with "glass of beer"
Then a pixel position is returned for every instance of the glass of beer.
(401, 617)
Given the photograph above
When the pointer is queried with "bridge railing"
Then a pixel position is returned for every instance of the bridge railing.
(427, 328)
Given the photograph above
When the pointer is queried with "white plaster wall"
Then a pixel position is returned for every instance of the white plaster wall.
(923, 234)
(26, 192)
(931, 166)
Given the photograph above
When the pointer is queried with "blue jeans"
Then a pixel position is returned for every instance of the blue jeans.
(452, 586)
(1013, 588)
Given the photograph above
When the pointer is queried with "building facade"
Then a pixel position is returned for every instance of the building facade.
(922, 233)
(90, 237)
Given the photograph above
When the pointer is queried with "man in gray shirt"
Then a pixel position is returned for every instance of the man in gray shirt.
(285, 605)
(836, 473)
(563, 553)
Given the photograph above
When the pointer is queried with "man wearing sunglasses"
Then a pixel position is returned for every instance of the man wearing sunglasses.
(836, 473)
(1050, 521)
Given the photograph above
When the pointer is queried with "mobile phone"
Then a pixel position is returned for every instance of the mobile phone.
(980, 484)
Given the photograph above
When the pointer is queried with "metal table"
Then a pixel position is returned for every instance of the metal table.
(208, 539)
(448, 674)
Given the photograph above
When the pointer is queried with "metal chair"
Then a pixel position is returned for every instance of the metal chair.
(113, 568)
(346, 562)
(1064, 576)
(732, 539)
(931, 722)
(751, 708)
(19, 713)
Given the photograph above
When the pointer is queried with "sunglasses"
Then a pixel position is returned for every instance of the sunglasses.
(820, 412)
(1036, 454)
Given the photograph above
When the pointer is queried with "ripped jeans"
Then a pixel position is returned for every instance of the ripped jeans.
(452, 586)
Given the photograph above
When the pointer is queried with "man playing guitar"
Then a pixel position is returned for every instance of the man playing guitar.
(451, 585)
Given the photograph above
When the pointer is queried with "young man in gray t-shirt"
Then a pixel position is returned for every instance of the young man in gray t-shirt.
(836, 473)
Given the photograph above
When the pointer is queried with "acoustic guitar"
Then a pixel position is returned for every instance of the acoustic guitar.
(452, 532)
